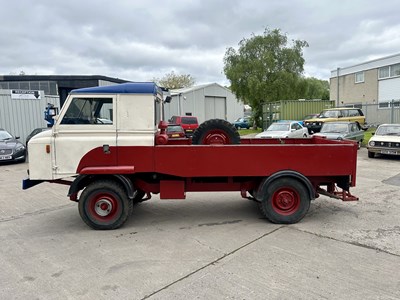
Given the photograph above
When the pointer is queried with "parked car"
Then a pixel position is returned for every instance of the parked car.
(385, 140)
(333, 115)
(175, 131)
(341, 131)
(35, 132)
(242, 123)
(188, 123)
(308, 117)
(11, 149)
(283, 129)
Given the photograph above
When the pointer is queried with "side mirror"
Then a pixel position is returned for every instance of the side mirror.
(168, 99)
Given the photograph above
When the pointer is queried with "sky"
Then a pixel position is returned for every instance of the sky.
(141, 40)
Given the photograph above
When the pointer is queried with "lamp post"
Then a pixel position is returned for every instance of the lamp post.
(337, 97)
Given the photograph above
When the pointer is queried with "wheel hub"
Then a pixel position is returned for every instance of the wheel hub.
(103, 207)
(285, 201)
(216, 137)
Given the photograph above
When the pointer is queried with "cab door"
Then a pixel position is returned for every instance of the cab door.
(85, 134)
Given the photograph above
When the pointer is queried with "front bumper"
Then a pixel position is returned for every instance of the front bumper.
(386, 151)
(313, 127)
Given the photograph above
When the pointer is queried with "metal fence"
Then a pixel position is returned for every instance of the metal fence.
(380, 113)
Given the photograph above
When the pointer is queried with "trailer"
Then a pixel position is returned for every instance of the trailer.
(110, 166)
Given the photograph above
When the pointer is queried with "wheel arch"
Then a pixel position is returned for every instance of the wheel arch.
(82, 181)
(262, 188)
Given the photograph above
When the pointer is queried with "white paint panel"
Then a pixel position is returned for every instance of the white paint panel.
(136, 120)
(389, 89)
(72, 141)
(215, 108)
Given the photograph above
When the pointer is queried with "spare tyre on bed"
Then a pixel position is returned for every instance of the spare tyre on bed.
(216, 132)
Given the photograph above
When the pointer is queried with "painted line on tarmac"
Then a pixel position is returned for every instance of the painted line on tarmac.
(35, 213)
(213, 262)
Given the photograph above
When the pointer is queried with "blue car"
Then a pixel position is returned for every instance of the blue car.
(242, 123)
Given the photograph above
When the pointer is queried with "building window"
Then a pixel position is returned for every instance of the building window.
(395, 70)
(359, 77)
(384, 72)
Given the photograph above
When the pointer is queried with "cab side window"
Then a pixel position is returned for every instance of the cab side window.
(89, 111)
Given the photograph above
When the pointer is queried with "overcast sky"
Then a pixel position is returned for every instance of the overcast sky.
(139, 40)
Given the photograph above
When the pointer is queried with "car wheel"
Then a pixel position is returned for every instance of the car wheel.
(371, 154)
(286, 201)
(104, 205)
(215, 131)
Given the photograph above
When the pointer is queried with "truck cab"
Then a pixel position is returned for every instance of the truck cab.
(98, 119)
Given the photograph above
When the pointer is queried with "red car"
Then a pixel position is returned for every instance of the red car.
(188, 123)
(175, 131)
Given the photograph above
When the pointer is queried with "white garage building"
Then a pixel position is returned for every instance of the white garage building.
(208, 101)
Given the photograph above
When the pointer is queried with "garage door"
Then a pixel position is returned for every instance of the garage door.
(215, 108)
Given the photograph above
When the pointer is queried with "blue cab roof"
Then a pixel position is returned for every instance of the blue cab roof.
(123, 88)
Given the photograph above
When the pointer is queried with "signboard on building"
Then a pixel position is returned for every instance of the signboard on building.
(25, 94)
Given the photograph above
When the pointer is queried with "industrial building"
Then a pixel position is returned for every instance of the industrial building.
(374, 82)
(208, 101)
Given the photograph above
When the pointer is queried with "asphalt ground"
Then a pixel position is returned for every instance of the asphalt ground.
(209, 246)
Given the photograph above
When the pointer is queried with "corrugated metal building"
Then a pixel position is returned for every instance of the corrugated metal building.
(20, 115)
(208, 101)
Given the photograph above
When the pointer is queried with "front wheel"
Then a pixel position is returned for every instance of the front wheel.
(371, 154)
(286, 201)
(104, 205)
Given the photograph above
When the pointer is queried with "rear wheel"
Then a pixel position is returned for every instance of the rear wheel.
(286, 201)
(216, 131)
(104, 205)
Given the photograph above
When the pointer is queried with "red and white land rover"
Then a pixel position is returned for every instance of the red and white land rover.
(109, 144)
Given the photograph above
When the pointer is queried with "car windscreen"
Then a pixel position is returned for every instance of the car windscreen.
(388, 130)
(278, 127)
(4, 135)
(332, 127)
(189, 120)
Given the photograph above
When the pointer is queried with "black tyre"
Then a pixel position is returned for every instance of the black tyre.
(286, 201)
(216, 131)
(104, 205)
(371, 154)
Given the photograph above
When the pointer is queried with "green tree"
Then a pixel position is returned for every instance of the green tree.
(315, 89)
(175, 81)
(265, 68)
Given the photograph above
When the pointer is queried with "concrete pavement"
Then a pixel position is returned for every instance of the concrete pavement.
(209, 246)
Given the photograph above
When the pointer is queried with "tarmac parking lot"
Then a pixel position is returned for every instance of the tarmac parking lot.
(209, 246)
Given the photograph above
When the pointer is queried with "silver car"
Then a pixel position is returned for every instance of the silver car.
(341, 131)
(289, 129)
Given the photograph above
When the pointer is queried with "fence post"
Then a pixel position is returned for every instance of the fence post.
(392, 111)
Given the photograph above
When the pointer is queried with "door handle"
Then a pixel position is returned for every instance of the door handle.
(106, 149)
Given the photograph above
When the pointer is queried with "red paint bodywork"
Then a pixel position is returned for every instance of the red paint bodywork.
(182, 167)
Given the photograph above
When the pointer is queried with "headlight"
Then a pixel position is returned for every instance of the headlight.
(372, 143)
(19, 148)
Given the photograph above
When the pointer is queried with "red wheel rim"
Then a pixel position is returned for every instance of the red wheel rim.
(103, 207)
(216, 137)
(286, 201)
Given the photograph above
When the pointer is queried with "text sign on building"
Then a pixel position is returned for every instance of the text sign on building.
(24, 94)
